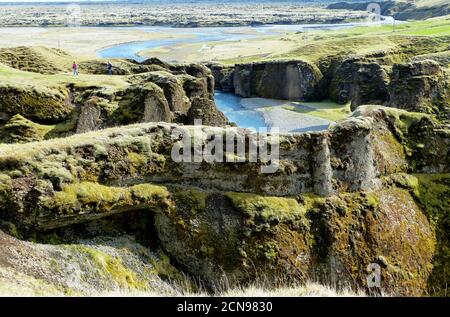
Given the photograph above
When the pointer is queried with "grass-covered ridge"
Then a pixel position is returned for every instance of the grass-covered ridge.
(431, 35)
(327, 109)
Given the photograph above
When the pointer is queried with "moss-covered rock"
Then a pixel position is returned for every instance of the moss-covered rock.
(99, 266)
(359, 80)
(206, 111)
(144, 103)
(421, 86)
(235, 237)
(425, 141)
(43, 104)
(21, 130)
(223, 77)
(225, 222)
(238, 237)
(289, 80)
(431, 191)
(386, 228)
(151, 91)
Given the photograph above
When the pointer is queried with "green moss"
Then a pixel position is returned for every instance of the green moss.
(53, 171)
(385, 227)
(5, 182)
(137, 162)
(192, 200)
(372, 200)
(114, 269)
(20, 129)
(100, 150)
(404, 120)
(5, 189)
(327, 109)
(267, 208)
(87, 192)
(405, 181)
(149, 192)
(136, 158)
(164, 268)
(38, 102)
(104, 198)
(64, 128)
(433, 192)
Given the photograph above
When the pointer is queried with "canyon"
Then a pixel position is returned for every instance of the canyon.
(94, 202)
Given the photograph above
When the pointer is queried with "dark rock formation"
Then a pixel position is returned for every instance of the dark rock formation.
(223, 77)
(420, 87)
(165, 93)
(359, 81)
(227, 220)
(205, 110)
(173, 90)
(203, 76)
(290, 80)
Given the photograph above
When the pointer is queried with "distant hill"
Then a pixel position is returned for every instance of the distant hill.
(402, 10)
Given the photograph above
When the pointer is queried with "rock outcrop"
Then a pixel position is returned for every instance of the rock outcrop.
(153, 91)
(48, 104)
(228, 220)
(223, 76)
(290, 80)
(205, 110)
(420, 87)
(359, 82)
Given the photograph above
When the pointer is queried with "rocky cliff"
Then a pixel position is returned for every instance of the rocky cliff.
(43, 107)
(291, 80)
(420, 85)
(340, 200)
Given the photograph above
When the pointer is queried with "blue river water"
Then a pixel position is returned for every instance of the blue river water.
(228, 103)
(185, 35)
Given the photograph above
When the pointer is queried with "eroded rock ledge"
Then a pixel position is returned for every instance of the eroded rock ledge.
(382, 79)
(342, 199)
(55, 105)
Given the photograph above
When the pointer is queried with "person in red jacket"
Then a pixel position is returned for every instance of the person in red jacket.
(75, 69)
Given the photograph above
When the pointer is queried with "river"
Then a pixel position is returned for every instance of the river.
(242, 112)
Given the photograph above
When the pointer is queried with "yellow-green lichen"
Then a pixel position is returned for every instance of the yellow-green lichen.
(137, 158)
(113, 268)
(104, 198)
(149, 191)
(193, 200)
(266, 206)
(22, 130)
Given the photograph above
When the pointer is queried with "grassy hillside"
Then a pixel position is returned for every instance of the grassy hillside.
(14, 76)
(405, 40)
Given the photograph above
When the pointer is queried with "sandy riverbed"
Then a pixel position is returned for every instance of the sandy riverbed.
(262, 46)
(277, 116)
(81, 41)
